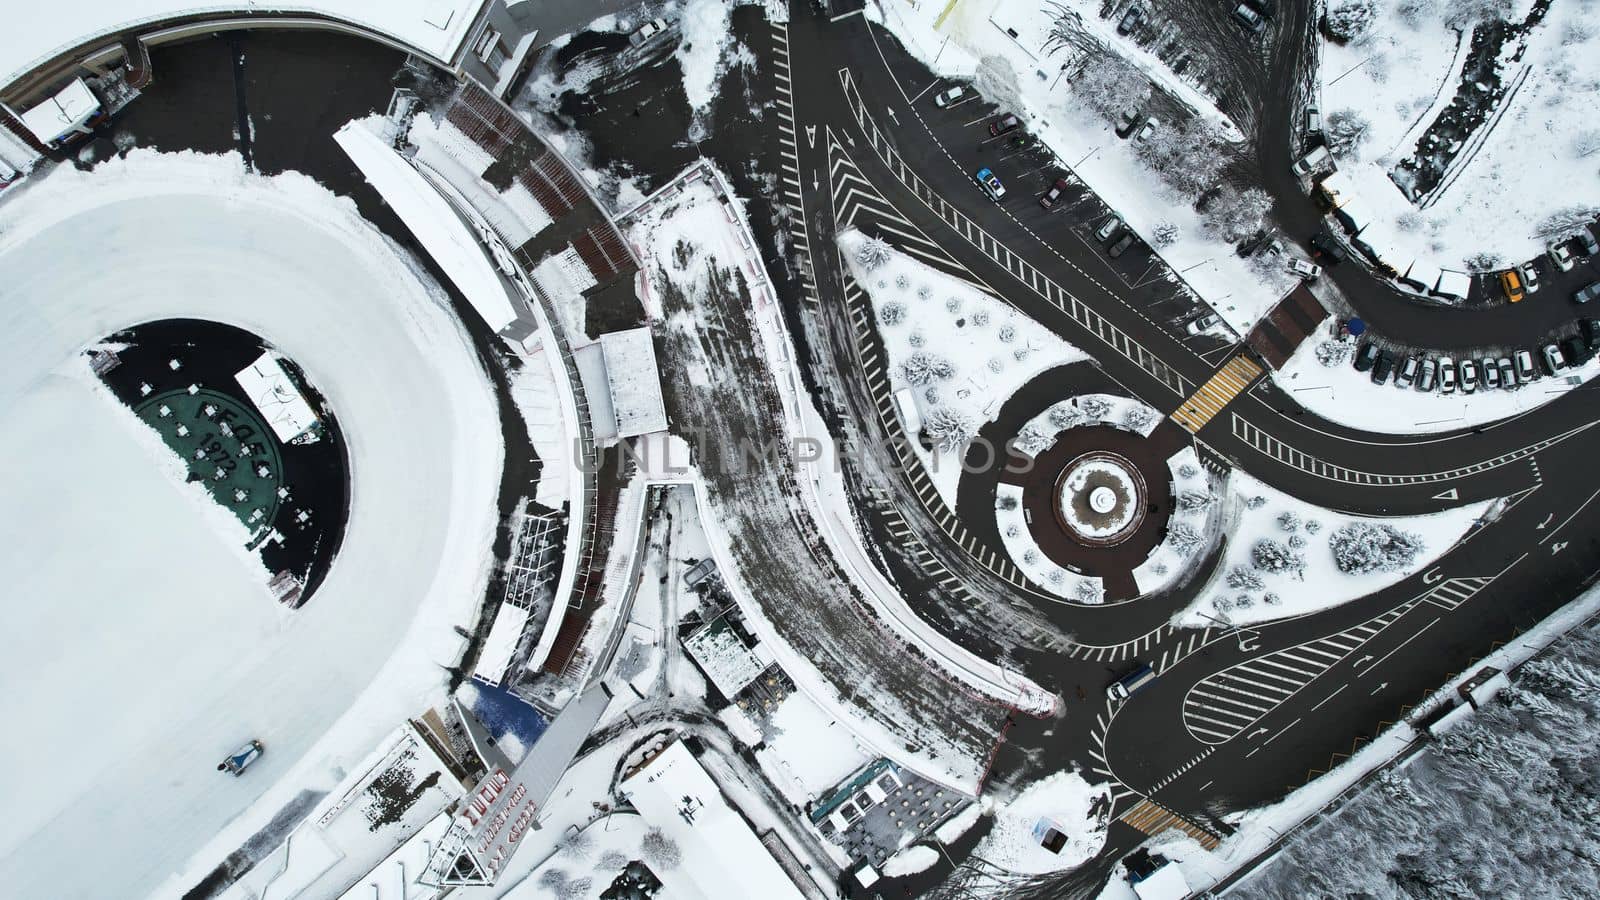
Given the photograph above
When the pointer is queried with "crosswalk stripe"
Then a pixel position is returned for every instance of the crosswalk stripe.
(1216, 393)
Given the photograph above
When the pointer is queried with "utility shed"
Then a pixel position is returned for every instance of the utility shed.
(635, 382)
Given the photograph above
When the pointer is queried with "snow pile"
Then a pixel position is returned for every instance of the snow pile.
(701, 50)
(192, 660)
(961, 352)
(1063, 801)
(1189, 530)
(970, 42)
(910, 861)
(1340, 394)
(1032, 561)
(1041, 431)
(810, 751)
(1405, 70)
(1286, 558)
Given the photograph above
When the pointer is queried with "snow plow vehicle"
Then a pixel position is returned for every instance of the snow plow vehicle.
(239, 760)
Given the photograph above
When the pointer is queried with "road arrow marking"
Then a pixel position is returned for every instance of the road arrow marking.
(1447, 495)
(1557, 547)
(1257, 733)
(890, 111)
(1379, 688)
(811, 136)
(1432, 576)
(1363, 659)
(1547, 520)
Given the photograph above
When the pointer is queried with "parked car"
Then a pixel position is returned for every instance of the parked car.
(1128, 121)
(1590, 247)
(1447, 375)
(1317, 159)
(1574, 351)
(1524, 363)
(1511, 285)
(1408, 372)
(1053, 193)
(1249, 17)
(1586, 293)
(990, 182)
(1148, 130)
(1425, 380)
(1313, 121)
(647, 31)
(1107, 228)
(1491, 374)
(1203, 324)
(1366, 355)
(1003, 124)
(1550, 359)
(1122, 245)
(1381, 368)
(1469, 375)
(1130, 20)
(1307, 270)
(1590, 329)
(1530, 276)
(1326, 250)
(1508, 372)
(1561, 255)
(950, 96)
(236, 762)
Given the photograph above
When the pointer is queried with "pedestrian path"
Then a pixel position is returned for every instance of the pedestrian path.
(1152, 818)
(1218, 391)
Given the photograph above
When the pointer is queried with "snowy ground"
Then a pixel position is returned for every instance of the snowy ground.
(1175, 557)
(1339, 393)
(212, 662)
(1071, 805)
(1405, 72)
(1285, 521)
(987, 348)
(1083, 140)
(1032, 561)
(807, 751)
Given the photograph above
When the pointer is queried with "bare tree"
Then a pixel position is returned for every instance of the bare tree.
(660, 850)
(1237, 214)
(1564, 223)
(1109, 85)
(1346, 131)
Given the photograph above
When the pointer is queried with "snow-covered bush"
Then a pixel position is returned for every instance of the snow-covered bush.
(1271, 599)
(1095, 406)
(1361, 547)
(916, 339)
(1222, 604)
(1013, 531)
(981, 318)
(949, 428)
(1138, 416)
(924, 292)
(1164, 235)
(1335, 352)
(1289, 520)
(1188, 470)
(660, 850)
(1463, 14)
(1270, 556)
(1056, 576)
(1346, 130)
(1031, 440)
(873, 252)
(1020, 354)
(1192, 500)
(1008, 502)
(933, 395)
(1183, 538)
(1416, 12)
(1008, 333)
(953, 305)
(924, 367)
(1349, 20)
(996, 365)
(1159, 569)
(553, 879)
(892, 313)
(612, 860)
(1313, 526)
(1244, 578)
(1255, 502)
(1564, 223)
(1030, 556)
(1064, 416)
(902, 281)
(1244, 601)
(1297, 541)
(1086, 591)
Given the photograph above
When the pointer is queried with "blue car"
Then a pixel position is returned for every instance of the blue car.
(990, 183)
(241, 759)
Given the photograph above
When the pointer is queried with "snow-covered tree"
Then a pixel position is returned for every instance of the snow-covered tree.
(659, 850)
(576, 844)
(553, 880)
(1189, 156)
(1086, 591)
(1289, 520)
(1192, 500)
(1183, 538)
(1297, 541)
(873, 252)
(1373, 547)
(1349, 20)
(1346, 130)
(1138, 416)
(1110, 85)
(612, 860)
(996, 365)
(949, 428)
(1032, 439)
(576, 889)
(1313, 526)
(1064, 415)
(916, 339)
(924, 292)
(1463, 14)
(1094, 407)
(1164, 234)
(1335, 353)
(1234, 215)
(1244, 578)
(1415, 12)
(1564, 223)
(1030, 556)
(892, 313)
(1271, 599)
(925, 367)
(1270, 556)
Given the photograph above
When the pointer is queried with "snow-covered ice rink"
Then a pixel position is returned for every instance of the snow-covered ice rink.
(138, 645)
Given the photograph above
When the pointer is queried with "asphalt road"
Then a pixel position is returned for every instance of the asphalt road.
(1342, 672)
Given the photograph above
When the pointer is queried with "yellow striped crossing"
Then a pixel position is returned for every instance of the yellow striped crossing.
(1152, 818)
(1218, 391)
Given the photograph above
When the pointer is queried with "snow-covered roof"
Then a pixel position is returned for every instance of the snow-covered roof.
(724, 657)
(67, 109)
(1337, 187)
(635, 381)
(436, 28)
(452, 243)
(1165, 883)
(591, 362)
(1423, 272)
(504, 635)
(276, 398)
(720, 853)
(1453, 283)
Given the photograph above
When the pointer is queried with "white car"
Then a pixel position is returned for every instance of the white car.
(1561, 255)
(1203, 324)
(647, 31)
(1306, 270)
(950, 96)
(1530, 276)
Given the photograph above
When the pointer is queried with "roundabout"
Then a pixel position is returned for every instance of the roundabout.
(1102, 499)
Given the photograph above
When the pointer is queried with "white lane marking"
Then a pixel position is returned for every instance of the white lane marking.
(1397, 649)
(1327, 698)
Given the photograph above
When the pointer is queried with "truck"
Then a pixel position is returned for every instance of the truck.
(1131, 683)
